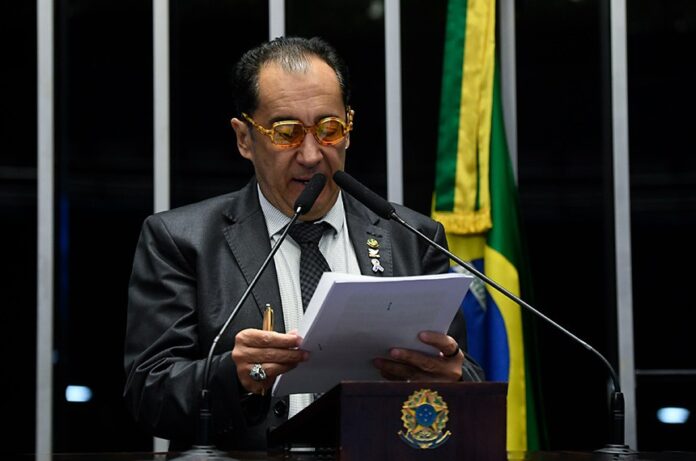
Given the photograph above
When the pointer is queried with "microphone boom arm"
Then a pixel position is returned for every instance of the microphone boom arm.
(302, 205)
(512, 297)
(617, 445)
(205, 414)
(269, 258)
(384, 209)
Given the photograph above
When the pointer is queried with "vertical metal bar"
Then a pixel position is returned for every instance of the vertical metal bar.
(392, 64)
(160, 36)
(45, 223)
(161, 124)
(508, 76)
(276, 18)
(622, 213)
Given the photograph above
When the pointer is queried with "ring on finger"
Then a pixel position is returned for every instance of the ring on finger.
(257, 373)
(453, 354)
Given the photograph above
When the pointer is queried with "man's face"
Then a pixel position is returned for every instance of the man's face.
(283, 172)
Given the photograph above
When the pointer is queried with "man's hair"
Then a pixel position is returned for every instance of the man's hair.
(293, 55)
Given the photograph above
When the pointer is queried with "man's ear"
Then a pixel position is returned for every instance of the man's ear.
(244, 142)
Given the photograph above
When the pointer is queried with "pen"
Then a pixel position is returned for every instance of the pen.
(267, 326)
(268, 318)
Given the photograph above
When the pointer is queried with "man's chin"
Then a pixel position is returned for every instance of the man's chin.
(319, 209)
(321, 205)
(313, 215)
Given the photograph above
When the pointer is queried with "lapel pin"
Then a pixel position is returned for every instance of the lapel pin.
(376, 266)
(373, 254)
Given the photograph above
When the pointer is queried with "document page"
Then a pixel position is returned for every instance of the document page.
(353, 319)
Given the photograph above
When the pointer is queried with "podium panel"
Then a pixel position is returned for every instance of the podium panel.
(363, 421)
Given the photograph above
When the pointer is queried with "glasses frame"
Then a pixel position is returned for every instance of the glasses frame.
(347, 128)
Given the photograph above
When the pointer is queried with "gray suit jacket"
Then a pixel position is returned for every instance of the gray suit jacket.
(191, 266)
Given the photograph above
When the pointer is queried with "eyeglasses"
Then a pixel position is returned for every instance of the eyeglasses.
(290, 133)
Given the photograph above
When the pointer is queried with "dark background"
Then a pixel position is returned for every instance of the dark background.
(104, 184)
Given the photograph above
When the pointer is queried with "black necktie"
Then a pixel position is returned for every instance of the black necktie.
(312, 262)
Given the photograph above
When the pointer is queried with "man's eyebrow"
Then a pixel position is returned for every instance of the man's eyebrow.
(326, 116)
(285, 118)
(282, 118)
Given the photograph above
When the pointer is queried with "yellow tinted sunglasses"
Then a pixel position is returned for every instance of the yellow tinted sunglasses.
(290, 133)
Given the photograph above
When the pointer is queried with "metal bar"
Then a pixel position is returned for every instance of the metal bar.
(276, 18)
(45, 224)
(508, 76)
(392, 64)
(160, 41)
(161, 125)
(622, 213)
(666, 372)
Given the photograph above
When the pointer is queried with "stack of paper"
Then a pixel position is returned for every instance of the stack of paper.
(353, 319)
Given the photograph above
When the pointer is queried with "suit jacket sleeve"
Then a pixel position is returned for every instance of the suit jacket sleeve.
(162, 357)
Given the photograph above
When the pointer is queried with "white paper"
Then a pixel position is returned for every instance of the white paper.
(353, 319)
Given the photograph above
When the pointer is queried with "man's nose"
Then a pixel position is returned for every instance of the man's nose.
(309, 153)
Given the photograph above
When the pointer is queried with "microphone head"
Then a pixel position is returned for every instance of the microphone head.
(364, 195)
(310, 193)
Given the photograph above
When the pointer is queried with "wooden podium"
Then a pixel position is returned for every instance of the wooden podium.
(363, 421)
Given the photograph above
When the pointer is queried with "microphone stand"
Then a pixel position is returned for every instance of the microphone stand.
(203, 450)
(616, 445)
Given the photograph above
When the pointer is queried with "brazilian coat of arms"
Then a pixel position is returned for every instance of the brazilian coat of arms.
(425, 415)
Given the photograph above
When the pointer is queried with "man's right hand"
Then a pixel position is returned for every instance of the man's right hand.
(275, 352)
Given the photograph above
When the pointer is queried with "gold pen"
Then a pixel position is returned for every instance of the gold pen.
(268, 320)
(267, 326)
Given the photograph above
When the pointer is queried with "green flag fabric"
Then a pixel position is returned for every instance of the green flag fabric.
(476, 200)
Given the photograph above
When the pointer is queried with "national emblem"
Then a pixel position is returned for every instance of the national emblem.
(425, 415)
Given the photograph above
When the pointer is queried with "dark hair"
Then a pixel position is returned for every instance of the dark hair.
(292, 54)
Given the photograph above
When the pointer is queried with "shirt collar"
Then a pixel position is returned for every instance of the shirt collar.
(276, 220)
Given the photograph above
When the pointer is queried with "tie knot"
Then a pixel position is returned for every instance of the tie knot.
(308, 233)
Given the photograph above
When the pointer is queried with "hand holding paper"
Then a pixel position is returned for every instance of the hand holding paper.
(407, 365)
(353, 319)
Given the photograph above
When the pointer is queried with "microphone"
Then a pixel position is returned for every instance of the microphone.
(309, 195)
(203, 450)
(384, 209)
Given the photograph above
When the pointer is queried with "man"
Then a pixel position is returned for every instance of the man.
(193, 263)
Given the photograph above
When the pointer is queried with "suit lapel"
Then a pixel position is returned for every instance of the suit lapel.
(363, 225)
(247, 237)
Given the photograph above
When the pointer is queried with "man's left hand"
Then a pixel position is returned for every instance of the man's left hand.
(409, 365)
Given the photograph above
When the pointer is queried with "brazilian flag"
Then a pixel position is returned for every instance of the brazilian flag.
(476, 200)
